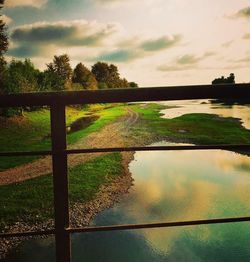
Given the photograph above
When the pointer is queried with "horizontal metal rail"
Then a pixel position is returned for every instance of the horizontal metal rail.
(241, 147)
(28, 233)
(159, 225)
(130, 227)
(227, 91)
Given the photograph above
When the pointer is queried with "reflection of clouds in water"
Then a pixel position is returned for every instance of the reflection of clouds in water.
(189, 203)
(174, 186)
(232, 162)
(204, 106)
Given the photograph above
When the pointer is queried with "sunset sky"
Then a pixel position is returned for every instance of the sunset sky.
(153, 42)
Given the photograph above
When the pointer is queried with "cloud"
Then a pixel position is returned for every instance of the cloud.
(227, 44)
(246, 36)
(242, 13)
(160, 43)
(208, 54)
(74, 33)
(26, 51)
(6, 19)
(136, 47)
(117, 3)
(243, 60)
(113, 2)
(245, 12)
(122, 55)
(185, 62)
(170, 68)
(34, 3)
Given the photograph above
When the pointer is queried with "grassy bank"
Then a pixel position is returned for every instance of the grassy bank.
(32, 200)
(32, 132)
(194, 128)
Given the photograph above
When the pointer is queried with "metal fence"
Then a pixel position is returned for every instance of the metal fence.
(57, 102)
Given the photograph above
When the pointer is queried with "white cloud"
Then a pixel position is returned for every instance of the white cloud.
(6, 19)
(34, 39)
(185, 62)
(34, 3)
(246, 36)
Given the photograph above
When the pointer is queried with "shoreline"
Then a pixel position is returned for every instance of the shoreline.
(80, 214)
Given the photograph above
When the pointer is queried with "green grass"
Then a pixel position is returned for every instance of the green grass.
(33, 132)
(32, 200)
(106, 116)
(195, 128)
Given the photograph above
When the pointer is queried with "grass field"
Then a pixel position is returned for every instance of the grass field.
(193, 128)
(32, 132)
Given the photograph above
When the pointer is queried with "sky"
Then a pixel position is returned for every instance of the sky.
(153, 42)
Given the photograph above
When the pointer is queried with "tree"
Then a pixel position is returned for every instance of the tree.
(21, 77)
(108, 76)
(84, 77)
(3, 47)
(222, 80)
(101, 72)
(59, 72)
(133, 84)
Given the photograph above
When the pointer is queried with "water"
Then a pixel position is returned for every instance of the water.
(179, 108)
(169, 186)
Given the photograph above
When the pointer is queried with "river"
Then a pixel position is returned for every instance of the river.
(169, 186)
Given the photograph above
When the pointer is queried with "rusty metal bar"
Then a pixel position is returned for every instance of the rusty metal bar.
(159, 225)
(130, 227)
(227, 91)
(129, 149)
(60, 180)
(28, 233)
(159, 148)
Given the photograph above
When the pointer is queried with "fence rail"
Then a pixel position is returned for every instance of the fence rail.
(235, 91)
(57, 102)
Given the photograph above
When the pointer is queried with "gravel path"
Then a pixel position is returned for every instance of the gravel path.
(112, 135)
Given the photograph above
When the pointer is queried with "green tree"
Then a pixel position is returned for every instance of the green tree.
(101, 72)
(108, 76)
(21, 77)
(224, 80)
(114, 80)
(83, 77)
(59, 72)
(133, 84)
(3, 47)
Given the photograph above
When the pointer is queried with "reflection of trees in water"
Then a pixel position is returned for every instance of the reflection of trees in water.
(120, 246)
(231, 102)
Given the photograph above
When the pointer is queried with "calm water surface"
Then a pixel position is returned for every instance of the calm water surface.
(169, 186)
(241, 112)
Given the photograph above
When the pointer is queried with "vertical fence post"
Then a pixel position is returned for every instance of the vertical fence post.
(60, 181)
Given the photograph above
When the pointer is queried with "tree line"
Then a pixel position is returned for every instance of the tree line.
(22, 76)
(224, 80)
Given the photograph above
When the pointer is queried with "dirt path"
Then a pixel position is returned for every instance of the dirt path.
(112, 135)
